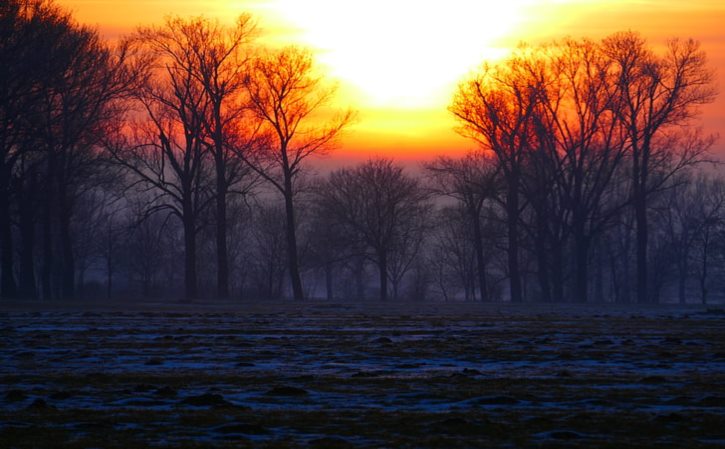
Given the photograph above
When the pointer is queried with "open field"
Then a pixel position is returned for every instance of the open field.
(323, 376)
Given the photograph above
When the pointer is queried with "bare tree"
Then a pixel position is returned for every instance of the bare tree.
(270, 252)
(655, 93)
(60, 83)
(581, 152)
(166, 152)
(496, 109)
(218, 57)
(18, 44)
(146, 248)
(328, 246)
(680, 222)
(453, 255)
(472, 181)
(381, 207)
(288, 98)
(710, 199)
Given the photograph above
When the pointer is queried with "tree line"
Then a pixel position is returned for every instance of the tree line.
(181, 155)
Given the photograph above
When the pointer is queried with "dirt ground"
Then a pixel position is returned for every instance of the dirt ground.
(318, 375)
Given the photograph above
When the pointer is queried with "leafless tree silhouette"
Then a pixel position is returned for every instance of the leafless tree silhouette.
(288, 98)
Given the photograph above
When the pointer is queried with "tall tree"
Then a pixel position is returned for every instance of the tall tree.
(60, 83)
(496, 109)
(219, 59)
(165, 150)
(581, 142)
(29, 32)
(655, 93)
(16, 75)
(288, 98)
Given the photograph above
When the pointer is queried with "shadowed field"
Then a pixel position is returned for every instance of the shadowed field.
(345, 376)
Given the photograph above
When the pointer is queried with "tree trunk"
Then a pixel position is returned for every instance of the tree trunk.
(512, 212)
(640, 206)
(190, 281)
(294, 268)
(8, 287)
(68, 269)
(221, 202)
(599, 278)
(640, 168)
(557, 272)
(383, 273)
(581, 258)
(47, 268)
(480, 257)
(27, 248)
(542, 260)
(704, 274)
(582, 271)
(221, 228)
(109, 264)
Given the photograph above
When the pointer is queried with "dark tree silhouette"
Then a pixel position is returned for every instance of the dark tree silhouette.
(269, 259)
(285, 94)
(584, 187)
(454, 258)
(381, 207)
(691, 215)
(219, 60)
(496, 108)
(580, 155)
(165, 151)
(60, 87)
(654, 93)
(472, 181)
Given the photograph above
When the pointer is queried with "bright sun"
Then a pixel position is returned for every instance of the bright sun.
(401, 53)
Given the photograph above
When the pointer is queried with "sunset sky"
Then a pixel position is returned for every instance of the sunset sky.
(398, 61)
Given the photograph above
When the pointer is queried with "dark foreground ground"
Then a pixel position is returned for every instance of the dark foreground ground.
(347, 377)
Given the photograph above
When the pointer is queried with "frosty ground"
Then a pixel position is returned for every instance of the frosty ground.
(337, 376)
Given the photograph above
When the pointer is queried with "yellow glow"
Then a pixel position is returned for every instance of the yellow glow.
(401, 53)
(398, 61)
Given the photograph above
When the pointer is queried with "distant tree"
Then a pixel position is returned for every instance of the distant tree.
(407, 248)
(270, 252)
(454, 256)
(147, 247)
(328, 246)
(381, 208)
(709, 195)
(288, 99)
(472, 180)
(679, 220)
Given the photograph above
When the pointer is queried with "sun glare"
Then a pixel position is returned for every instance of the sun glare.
(401, 53)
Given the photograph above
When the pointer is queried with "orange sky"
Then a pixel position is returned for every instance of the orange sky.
(398, 61)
